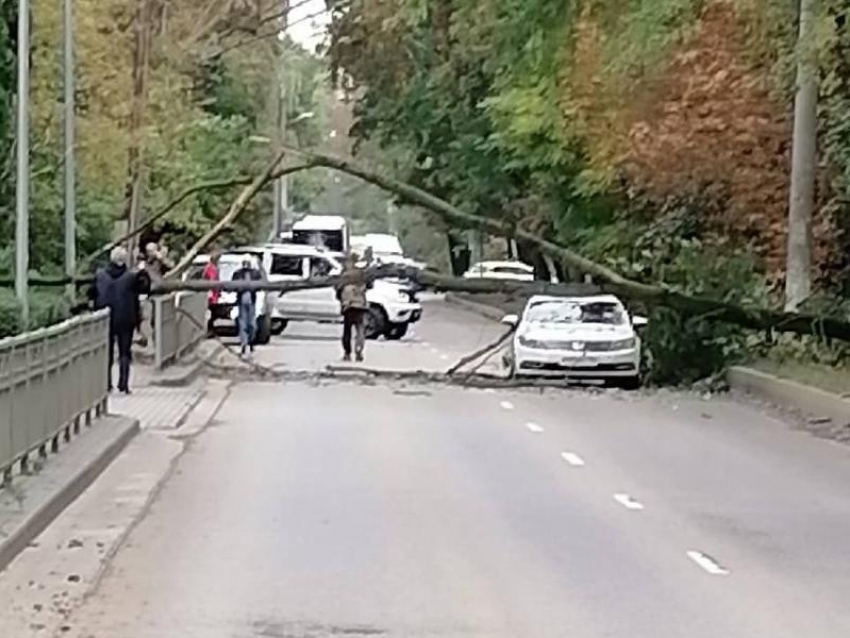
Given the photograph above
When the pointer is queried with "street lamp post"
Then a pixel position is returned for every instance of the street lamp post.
(23, 165)
(281, 184)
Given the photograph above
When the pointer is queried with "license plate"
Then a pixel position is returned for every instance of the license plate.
(580, 362)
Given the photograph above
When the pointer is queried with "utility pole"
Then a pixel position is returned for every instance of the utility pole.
(70, 142)
(798, 269)
(22, 192)
(281, 194)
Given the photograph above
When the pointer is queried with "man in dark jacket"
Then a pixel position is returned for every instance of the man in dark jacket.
(117, 287)
(246, 320)
(351, 293)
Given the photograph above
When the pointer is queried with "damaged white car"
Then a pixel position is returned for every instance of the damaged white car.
(576, 337)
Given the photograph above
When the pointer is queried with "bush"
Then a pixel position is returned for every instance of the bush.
(46, 308)
(683, 349)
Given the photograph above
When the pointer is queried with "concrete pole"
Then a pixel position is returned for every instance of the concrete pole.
(22, 192)
(277, 186)
(70, 142)
(798, 270)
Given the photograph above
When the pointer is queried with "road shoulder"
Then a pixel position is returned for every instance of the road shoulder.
(32, 502)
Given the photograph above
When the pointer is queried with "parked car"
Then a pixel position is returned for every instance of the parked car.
(515, 270)
(392, 306)
(578, 337)
(224, 312)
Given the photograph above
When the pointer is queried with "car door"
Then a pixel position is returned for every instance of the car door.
(287, 267)
(321, 303)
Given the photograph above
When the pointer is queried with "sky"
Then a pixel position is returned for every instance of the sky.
(308, 33)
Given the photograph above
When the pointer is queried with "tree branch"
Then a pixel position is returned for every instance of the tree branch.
(170, 206)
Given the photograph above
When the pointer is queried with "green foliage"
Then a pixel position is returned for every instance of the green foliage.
(46, 308)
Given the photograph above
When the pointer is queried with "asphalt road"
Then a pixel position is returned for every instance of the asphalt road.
(311, 510)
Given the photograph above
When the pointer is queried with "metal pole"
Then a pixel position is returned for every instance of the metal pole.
(22, 184)
(70, 160)
(281, 194)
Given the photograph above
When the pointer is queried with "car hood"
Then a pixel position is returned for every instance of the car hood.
(575, 332)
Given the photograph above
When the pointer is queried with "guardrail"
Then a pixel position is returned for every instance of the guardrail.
(174, 332)
(50, 381)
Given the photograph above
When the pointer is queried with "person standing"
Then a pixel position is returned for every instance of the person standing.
(351, 293)
(247, 301)
(211, 274)
(117, 287)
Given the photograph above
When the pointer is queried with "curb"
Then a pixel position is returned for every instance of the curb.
(181, 376)
(490, 312)
(813, 402)
(37, 520)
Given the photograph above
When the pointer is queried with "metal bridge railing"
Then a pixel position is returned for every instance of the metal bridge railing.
(174, 332)
(50, 380)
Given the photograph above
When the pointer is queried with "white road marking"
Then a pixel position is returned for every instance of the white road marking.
(506, 405)
(572, 458)
(533, 427)
(628, 502)
(707, 563)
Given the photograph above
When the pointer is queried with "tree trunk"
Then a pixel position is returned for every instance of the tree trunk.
(798, 272)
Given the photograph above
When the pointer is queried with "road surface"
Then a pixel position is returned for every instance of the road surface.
(311, 510)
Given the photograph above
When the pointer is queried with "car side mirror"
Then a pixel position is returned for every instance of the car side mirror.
(639, 322)
(510, 320)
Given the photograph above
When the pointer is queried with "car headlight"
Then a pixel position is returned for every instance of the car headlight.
(623, 344)
(531, 343)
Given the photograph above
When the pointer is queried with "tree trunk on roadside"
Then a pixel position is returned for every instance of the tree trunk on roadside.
(142, 39)
(798, 272)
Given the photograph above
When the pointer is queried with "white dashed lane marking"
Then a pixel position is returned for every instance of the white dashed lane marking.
(572, 458)
(506, 405)
(707, 563)
(628, 502)
(534, 428)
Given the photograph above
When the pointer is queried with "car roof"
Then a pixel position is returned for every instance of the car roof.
(576, 299)
(320, 222)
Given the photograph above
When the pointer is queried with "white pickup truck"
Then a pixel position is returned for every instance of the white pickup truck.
(392, 306)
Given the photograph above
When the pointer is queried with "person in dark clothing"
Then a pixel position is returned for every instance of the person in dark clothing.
(247, 302)
(351, 293)
(117, 287)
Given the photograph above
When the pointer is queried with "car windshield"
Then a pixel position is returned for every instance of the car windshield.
(605, 312)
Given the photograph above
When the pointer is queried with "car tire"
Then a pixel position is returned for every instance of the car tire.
(376, 322)
(396, 331)
(278, 326)
(264, 330)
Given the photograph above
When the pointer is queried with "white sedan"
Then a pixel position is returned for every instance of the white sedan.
(514, 270)
(576, 337)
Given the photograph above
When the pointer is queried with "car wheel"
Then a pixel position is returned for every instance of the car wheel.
(278, 326)
(376, 322)
(396, 331)
(264, 330)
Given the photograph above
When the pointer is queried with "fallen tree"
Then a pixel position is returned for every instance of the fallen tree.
(752, 317)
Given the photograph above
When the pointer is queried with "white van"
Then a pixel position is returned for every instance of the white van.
(327, 232)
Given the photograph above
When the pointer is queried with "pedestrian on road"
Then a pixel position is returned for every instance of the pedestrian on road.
(351, 293)
(247, 301)
(117, 287)
(211, 274)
